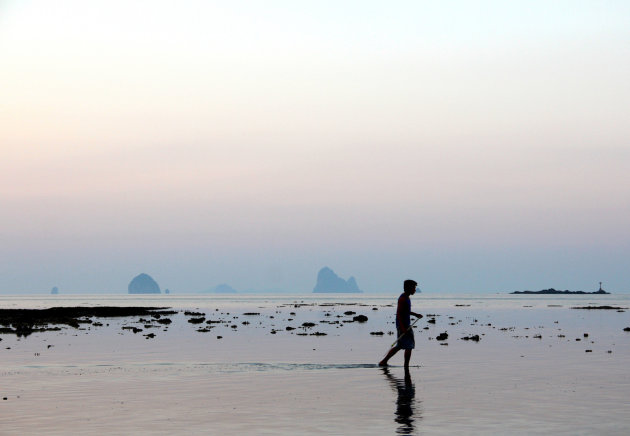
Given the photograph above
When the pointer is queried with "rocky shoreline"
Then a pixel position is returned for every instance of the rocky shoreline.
(23, 322)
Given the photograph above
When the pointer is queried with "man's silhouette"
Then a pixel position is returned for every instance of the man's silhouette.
(403, 324)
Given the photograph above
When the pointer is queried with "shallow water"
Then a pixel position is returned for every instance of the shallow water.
(109, 380)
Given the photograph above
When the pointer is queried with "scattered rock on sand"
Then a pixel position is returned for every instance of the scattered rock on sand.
(474, 338)
(442, 336)
(360, 318)
(377, 333)
(196, 320)
(599, 308)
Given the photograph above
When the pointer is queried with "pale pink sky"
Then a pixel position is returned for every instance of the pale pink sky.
(475, 147)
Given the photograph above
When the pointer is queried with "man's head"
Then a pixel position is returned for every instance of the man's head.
(410, 286)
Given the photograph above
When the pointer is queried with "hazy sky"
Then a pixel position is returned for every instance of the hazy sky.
(472, 145)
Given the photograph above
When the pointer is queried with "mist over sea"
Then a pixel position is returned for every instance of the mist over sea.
(301, 364)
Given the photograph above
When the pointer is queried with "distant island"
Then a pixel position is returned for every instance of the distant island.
(143, 284)
(329, 282)
(223, 289)
(552, 291)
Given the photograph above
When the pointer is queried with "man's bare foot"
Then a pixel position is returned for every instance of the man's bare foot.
(381, 363)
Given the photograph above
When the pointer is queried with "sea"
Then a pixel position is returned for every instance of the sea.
(304, 364)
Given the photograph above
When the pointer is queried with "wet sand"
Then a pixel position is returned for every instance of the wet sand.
(528, 374)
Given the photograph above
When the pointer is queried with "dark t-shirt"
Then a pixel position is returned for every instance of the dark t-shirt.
(404, 306)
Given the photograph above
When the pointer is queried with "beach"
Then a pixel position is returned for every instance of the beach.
(539, 367)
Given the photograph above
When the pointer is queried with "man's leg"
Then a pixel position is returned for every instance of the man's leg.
(407, 357)
(390, 354)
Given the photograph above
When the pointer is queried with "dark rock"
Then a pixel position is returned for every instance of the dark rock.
(431, 321)
(289, 328)
(599, 308)
(360, 318)
(349, 313)
(377, 333)
(164, 321)
(627, 329)
(143, 284)
(196, 320)
(308, 324)
(442, 336)
(28, 321)
(319, 334)
(149, 335)
(191, 313)
(474, 338)
(251, 313)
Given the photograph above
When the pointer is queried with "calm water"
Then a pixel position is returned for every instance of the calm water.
(529, 373)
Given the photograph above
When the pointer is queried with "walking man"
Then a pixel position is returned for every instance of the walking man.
(403, 324)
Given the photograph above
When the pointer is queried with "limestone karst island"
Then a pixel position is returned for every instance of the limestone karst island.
(329, 282)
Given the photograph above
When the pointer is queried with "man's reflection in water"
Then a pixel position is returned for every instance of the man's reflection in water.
(405, 403)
